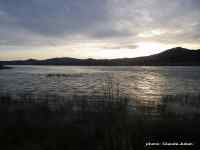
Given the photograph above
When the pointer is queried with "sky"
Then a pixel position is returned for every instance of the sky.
(98, 29)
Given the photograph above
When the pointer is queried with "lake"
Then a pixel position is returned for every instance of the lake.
(146, 84)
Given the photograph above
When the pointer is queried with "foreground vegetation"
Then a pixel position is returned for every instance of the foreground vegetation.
(51, 122)
(70, 124)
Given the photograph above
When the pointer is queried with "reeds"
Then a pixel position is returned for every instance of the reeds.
(181, 106)
(99, 124)
(105, 122)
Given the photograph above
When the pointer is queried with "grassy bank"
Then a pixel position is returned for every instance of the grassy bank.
(51, 122)
(70, 124)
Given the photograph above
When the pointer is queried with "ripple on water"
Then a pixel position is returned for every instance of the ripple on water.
(147, 84)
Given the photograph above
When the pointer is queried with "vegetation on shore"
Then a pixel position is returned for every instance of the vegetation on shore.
(53, 122)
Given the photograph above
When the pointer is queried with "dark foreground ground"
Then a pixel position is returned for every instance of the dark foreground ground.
(57, 123)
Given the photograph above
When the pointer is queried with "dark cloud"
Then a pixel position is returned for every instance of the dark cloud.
(46, 22)
(50, 17)
(109, 33)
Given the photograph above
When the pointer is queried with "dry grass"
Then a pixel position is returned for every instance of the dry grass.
(51, 122)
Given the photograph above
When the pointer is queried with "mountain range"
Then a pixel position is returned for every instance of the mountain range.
(172, 57)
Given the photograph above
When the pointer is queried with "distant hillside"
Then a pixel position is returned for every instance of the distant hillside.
(173, 57)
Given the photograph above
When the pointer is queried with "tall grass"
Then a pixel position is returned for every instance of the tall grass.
(78, 123)
(181, 106)
(51, 122)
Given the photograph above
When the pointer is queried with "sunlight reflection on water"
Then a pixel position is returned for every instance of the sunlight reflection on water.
(147, 84)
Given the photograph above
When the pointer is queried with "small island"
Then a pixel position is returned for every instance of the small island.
(4, 67)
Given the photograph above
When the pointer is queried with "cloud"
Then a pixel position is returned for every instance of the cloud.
(51, 23)
(53, 18)
(120, 46)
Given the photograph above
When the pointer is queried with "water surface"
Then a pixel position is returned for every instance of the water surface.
(147, 84)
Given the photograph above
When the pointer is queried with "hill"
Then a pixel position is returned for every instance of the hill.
(173, 57)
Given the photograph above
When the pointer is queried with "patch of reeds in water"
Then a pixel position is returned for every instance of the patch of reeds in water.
(76, 123)
(54, 122)
(51, 122)
(181, 105)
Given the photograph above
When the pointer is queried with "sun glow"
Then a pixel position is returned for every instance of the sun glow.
(141, 49)
(149, 45)
(149, 48)
(151, 33)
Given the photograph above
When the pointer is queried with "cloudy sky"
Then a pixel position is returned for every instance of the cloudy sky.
(96, 28)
